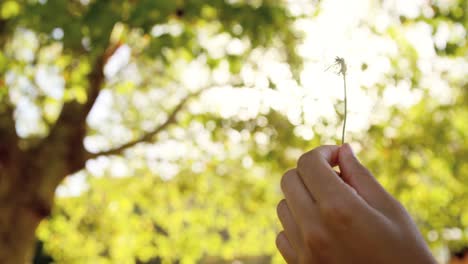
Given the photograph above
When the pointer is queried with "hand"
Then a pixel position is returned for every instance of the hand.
(346, 217)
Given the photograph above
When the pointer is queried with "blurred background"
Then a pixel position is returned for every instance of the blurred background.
(156, 131)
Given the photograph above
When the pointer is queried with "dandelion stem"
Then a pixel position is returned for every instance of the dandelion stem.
(340, 62)
(345, 107)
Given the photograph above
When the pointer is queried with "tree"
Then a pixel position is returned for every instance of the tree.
(204, 184)
(73, 41)
(419, 151)
(220, 203)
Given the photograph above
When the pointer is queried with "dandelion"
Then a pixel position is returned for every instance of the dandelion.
(341, 64)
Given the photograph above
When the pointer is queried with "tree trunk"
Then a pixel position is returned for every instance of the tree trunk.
(17, 232)
(22, 206)
(17, 221)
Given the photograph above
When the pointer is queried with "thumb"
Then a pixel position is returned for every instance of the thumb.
(360, 178)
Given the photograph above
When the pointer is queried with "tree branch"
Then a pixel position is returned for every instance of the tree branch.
(96, 77)
(78, 112)
(148, 137)
(64, 144)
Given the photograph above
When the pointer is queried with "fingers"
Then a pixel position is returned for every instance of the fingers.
(290, 227)
(316, 171)
(358, 177)
(299, 216)
(298, 198)
(285, 248)
(296, 250)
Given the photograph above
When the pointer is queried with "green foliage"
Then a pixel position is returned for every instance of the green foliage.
(200, 215)
(424, 163)
(220, 201)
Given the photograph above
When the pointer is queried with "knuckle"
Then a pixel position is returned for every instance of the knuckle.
(281, 207)
(286, 179)
(279, 239)
(396, 207)
(315, 153)
(305, 258)
(365, 171)
(317, 241)
(307, 158)
(302, 160)
(337, 215)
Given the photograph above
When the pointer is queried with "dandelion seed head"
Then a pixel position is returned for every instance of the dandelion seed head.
(342, 64)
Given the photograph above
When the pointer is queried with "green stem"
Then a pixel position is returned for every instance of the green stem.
(345, 108)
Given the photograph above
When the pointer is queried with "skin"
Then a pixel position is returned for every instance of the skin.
(346, 217)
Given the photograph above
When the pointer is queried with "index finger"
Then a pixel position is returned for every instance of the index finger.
(316, 170)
